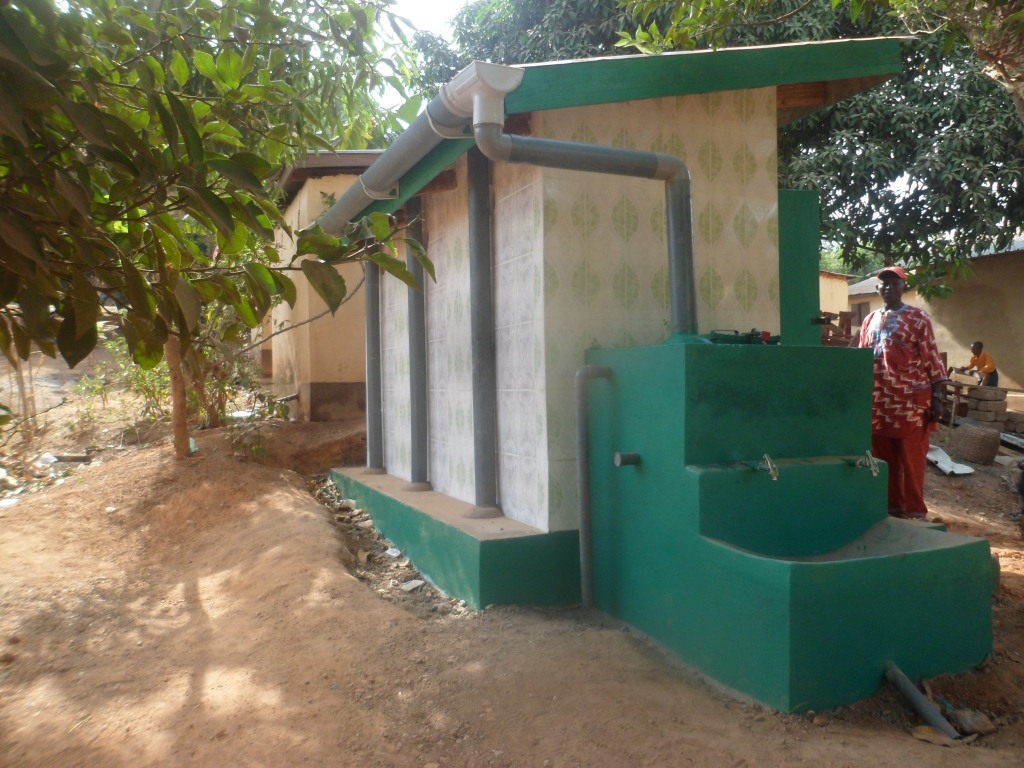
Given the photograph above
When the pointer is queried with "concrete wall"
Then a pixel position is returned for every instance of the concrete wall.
(985, 306)
(323, 361)
(834, 295)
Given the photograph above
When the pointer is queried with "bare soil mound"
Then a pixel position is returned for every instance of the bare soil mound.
(212, 612)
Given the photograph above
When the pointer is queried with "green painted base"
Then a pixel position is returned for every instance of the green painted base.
(481, 561)
(752, 540)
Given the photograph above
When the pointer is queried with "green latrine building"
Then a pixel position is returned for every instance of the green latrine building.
(612, 391)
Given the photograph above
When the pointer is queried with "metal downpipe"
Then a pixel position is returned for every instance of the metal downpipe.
(485, 380)
(419, 407)
(374, 394)
(551, 153)
(583, 376)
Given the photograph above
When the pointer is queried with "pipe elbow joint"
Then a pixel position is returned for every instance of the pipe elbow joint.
(491, 140)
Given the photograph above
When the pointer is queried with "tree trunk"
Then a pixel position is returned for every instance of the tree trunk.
(179, 405)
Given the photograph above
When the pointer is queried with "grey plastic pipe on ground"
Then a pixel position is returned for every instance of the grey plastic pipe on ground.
(918, 701)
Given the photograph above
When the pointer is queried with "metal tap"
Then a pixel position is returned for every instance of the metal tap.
(767, 465)
(869, 461)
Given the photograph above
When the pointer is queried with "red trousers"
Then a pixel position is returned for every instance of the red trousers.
(906, 457)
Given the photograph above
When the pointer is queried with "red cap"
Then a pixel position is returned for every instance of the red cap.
(898, 271)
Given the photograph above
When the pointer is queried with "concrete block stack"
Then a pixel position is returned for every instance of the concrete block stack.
(987, 405)
(1014, 423)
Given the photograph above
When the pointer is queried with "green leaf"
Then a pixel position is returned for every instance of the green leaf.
(86, 302)
(16, 234)
(76, 338)
(89, 122)
(217, 210)
(137, 289)
(183, 119)
(11, 115)
(70, 190)
(239, 174)
(261, 275)
(315, 238)
(285, 288)
(229, 68)
(395, 267)
(179, 68)
(206, 66)
(326, 281)
(33, 91)
(189, 302)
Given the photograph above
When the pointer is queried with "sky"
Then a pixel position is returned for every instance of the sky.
(429, 15)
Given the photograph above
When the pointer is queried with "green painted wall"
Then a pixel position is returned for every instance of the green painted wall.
(799, 244)
(541, 569)
(795, 591)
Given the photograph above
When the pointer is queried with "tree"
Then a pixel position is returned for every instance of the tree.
(522, 31)
(129, 126)
(925, 167)
(993, 28)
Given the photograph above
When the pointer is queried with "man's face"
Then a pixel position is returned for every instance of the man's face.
(975, 349)
(890, 288)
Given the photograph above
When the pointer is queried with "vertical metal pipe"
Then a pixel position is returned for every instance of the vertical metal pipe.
(417, 357)
(679, 231)
(374, 383)
(485, 392)
(584, 375)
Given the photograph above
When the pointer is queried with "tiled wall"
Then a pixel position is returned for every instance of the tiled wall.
(394, 342)
(449, 365)
(605, 253)
(519, 329)
(581, 260)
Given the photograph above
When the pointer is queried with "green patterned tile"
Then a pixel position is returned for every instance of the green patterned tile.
(745, 289)
(624, 139)
(626, 286)
(744, 164)
(772, 228)
(584, 134)
(550, 215)
(710, 288)
(709, 158)
(711, 103)
(746, 105)
(773, 291)
(744, 225)
(584, 215)
(625, 218)
(586, 284)
(657, 224)
(550, 281)
(660, 288)
(710, 224)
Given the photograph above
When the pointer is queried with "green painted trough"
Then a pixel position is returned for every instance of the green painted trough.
(751, 537)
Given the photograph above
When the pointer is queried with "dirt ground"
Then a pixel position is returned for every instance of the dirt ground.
(219, 612)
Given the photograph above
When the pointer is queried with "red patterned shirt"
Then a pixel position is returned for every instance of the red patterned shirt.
(907, 362)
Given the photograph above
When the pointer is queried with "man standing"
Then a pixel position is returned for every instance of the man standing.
(907, 400)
